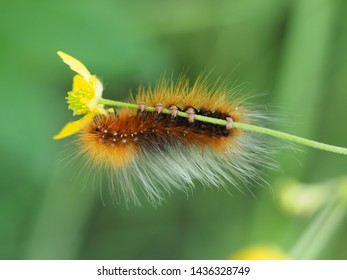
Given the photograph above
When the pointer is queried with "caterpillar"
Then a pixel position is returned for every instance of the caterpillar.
(161, 152)
(169, 137)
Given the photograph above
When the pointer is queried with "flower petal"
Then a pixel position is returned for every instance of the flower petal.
(75, 65)
(98, 88)
(70, 128)
(260, 252)
(80, 84)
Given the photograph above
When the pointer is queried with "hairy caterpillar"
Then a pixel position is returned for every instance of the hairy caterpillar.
(169, 137)
(160, 152)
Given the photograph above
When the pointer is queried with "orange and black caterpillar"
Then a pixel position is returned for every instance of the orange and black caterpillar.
(123, 135)
(159, 152)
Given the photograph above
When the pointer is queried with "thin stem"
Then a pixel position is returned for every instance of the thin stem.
(164, 111)
(292, 138)
(243, 126)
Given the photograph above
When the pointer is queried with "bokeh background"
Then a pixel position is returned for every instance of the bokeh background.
(291, 55)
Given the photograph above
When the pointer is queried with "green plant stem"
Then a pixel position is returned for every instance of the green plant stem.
(292, 138)
(243, 126)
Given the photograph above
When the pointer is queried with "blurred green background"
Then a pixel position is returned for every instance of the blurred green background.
(290, 54)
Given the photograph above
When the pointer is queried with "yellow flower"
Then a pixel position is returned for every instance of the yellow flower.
(84, 97)
(260, 252)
